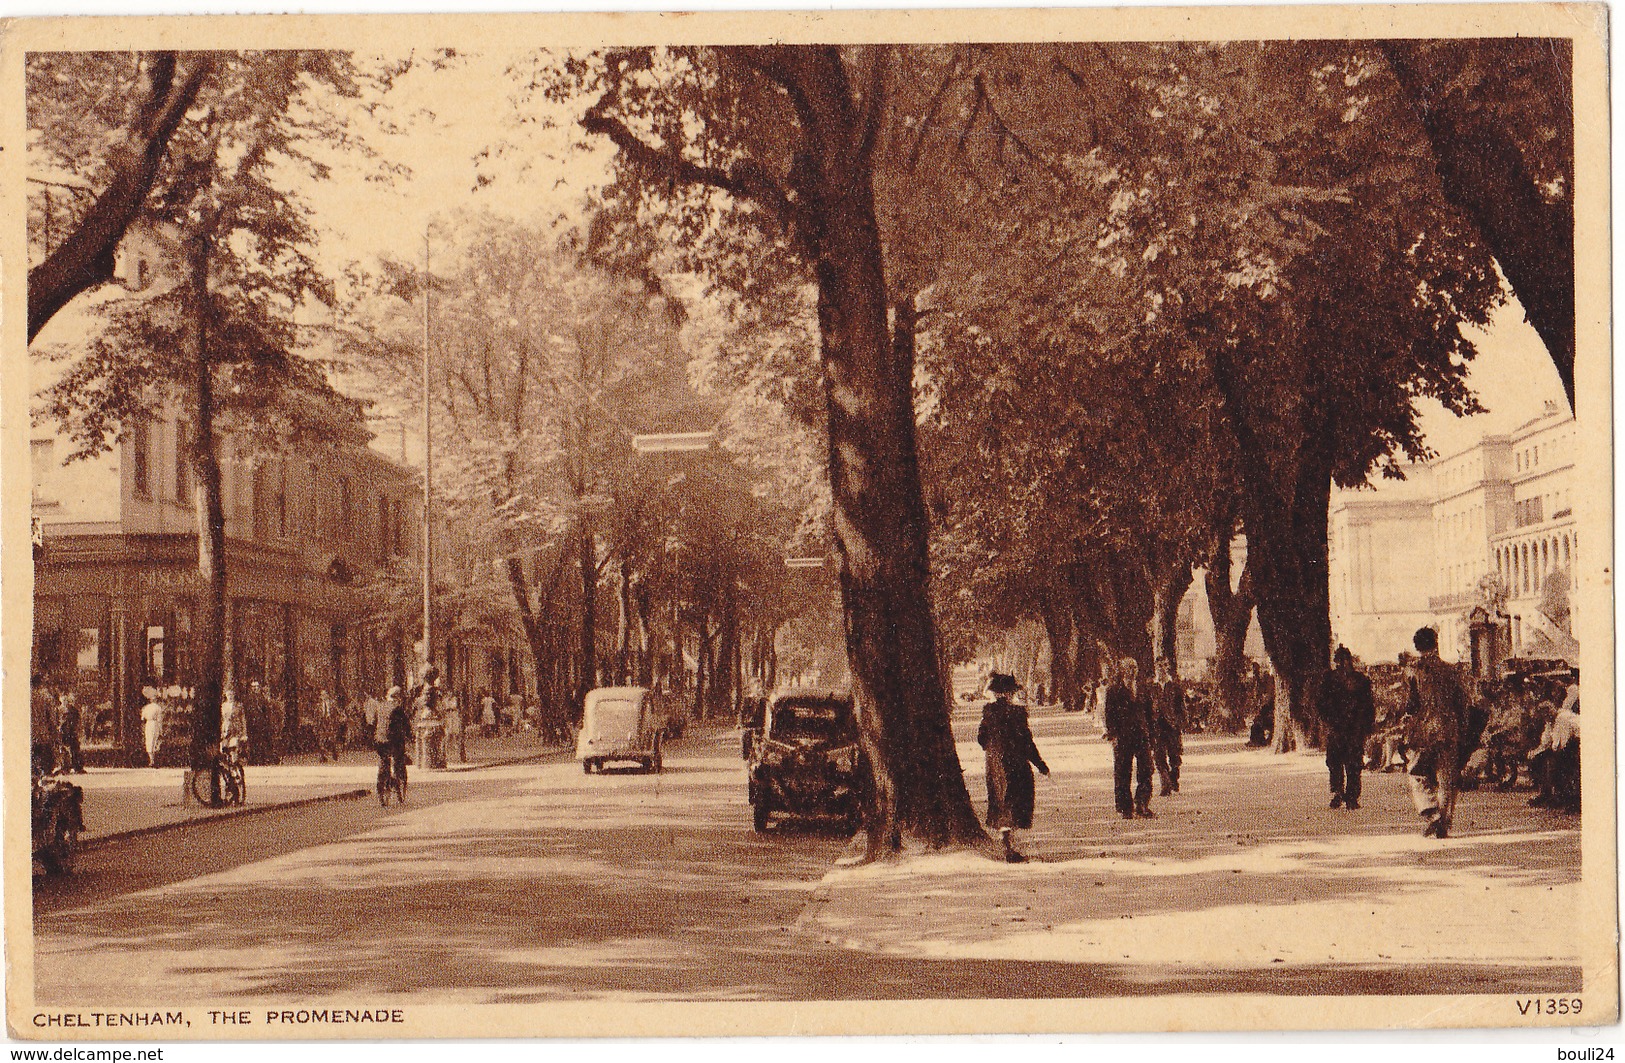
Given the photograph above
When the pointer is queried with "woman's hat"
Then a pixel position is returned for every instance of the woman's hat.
(999, 683)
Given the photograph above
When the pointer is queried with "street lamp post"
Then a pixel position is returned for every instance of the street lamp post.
(428, 472)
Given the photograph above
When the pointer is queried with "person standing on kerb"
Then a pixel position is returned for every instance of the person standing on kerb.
(1011, 757)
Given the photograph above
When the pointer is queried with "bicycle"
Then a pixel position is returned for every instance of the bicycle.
(224, 782)
(391, 775)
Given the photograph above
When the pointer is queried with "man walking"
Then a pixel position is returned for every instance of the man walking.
(1438, 709)
(1350, 714)
(1168, 727)
(1128, 728)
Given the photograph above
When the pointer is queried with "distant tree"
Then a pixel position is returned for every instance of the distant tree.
(543, 369)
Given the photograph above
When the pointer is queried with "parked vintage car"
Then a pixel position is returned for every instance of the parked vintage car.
(619, 724)
(806, 761)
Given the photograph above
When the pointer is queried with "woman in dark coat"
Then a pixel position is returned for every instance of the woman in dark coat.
(1008, 740)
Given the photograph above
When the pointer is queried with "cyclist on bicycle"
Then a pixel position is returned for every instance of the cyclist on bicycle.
(391, 730)
(233, 728)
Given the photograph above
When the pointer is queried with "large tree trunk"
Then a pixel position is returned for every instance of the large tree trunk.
(1165, 598)
(210, 628)
(1294, 606)
(702, 650)
(879, 513)
(535, 638)
(723, 666)
(587, 564)
(1232, 613)
(623, 623)
(879, 510)
(1284, 512)
(1063, 676)
(645, 652)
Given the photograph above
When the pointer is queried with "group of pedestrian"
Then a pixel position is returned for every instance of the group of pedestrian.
(1436, 731)
(57, 727)
(1145, 726)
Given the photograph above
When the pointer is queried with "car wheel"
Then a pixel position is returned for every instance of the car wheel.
(760, 812)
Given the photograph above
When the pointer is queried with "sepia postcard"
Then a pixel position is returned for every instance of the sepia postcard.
(717, 524)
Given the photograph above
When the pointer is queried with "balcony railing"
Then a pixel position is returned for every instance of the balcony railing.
(1459, 600)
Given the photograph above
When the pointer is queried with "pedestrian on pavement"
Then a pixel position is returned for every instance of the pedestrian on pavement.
(454, 728)
(68, 723)
(152, 724)
(1437, 704)
(261, 734)
(327, 727)
(1168, 727)
(1350, 714)
(1011, 757)
(488, 714)
(1128, 728)
(42, 742)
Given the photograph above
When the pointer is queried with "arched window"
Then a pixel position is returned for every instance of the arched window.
(1566, 551)
(1524, 561)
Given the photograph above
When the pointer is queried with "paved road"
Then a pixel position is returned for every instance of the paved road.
(525, 883)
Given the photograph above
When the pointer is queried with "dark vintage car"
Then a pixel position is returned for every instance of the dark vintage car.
(805, 762)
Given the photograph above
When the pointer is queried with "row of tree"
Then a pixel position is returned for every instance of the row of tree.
(1066, 317)
(619, 566)
(1084, 312)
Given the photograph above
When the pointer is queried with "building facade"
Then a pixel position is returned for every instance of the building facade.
(1472, 505)
(1380, 562)
(1489, 527)
(1533, 555)
(308, 533)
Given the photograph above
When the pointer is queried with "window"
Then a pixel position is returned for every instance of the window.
(183, 463)
(140, 458)
(42, 455)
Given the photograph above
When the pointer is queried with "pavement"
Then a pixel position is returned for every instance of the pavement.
(534, 883)
(125, 802)
(1245, 869)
